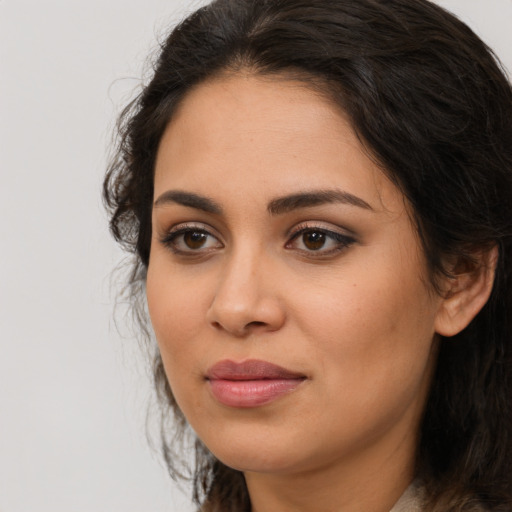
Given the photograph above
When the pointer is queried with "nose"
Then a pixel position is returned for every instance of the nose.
(246, 298)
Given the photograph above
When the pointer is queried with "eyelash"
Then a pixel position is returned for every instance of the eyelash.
(341, 241)
(171, 239)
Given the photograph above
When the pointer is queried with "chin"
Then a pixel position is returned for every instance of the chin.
(257, 462)
(249, 455)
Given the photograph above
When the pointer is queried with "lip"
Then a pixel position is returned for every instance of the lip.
(251, 383)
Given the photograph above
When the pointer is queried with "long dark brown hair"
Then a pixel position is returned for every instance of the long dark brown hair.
(431, 104)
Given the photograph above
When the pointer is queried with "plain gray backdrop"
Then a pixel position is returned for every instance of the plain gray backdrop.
(73, 392)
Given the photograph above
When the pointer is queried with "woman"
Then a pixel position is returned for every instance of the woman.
(318, 195)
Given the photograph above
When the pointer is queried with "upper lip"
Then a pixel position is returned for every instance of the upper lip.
(251, 369)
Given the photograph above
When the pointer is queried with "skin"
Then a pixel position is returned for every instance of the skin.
(358, 318)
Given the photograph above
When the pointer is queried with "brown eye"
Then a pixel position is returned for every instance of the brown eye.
(313, 240)
(195, 239)
(319, 242)
(191, 241)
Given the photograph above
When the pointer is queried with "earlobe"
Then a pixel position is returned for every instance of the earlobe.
(466, 292)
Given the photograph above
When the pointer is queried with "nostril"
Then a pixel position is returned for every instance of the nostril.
(245, 329)
(255, 324)
(246, 315)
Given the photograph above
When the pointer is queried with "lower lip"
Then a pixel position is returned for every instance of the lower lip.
(251, 393)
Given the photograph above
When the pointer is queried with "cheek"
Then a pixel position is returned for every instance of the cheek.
(177, 315)
(367, 305)
(176, 309)
(373, 334)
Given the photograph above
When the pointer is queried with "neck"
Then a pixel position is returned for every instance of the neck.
(371, 481)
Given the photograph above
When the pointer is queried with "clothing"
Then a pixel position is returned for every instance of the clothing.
(411, 500)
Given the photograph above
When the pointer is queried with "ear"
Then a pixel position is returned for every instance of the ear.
(466, 291)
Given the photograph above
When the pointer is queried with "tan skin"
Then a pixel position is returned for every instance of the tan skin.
(333, 287)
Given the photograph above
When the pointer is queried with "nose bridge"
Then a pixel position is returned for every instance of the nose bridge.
(245, 296)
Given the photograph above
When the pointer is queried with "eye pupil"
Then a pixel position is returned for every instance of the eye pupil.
(314, 240)
(194, 239)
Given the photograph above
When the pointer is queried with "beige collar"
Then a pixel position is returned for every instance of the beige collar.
(411, 500)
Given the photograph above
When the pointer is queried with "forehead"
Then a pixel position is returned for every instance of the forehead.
(266, 135)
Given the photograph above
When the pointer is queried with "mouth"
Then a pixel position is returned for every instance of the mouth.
(251, 383)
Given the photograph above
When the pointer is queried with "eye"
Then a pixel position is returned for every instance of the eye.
(319, 241)
(190, 239)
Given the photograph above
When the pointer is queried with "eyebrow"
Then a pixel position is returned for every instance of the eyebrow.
(277, 206)
(189, 199)
(315, 198)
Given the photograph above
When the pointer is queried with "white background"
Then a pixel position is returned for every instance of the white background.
(73, 392)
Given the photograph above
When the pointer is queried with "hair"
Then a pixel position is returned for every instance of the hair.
(431, 104)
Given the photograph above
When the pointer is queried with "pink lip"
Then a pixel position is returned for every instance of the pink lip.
(250, 383)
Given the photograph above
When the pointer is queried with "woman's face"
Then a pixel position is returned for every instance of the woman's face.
(286, 284)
